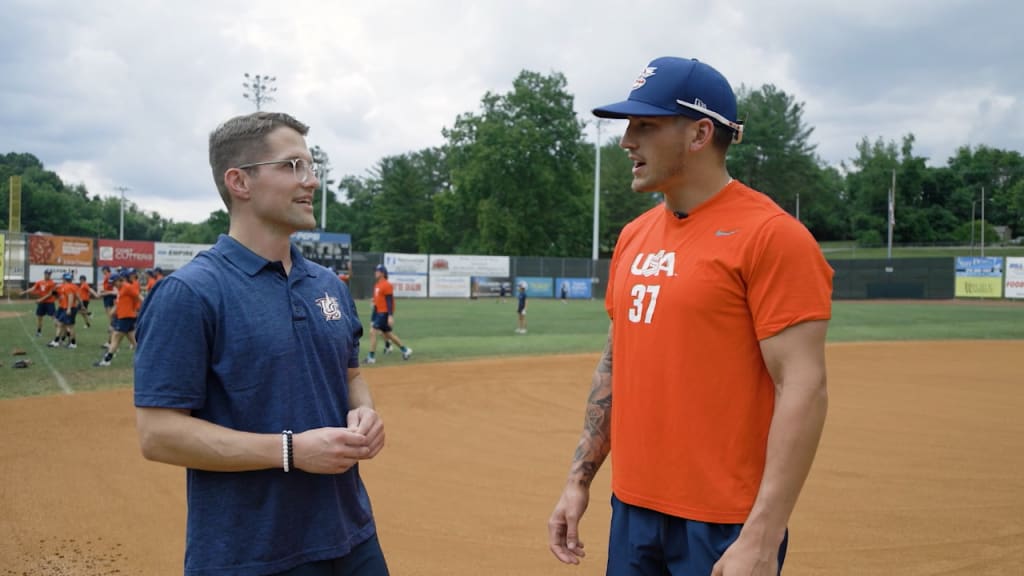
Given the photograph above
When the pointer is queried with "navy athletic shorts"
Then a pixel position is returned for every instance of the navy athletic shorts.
(643, 541)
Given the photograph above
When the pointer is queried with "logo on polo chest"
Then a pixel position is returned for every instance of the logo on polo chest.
(329, 307)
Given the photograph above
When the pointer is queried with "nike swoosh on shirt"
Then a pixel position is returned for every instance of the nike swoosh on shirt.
(726, 232)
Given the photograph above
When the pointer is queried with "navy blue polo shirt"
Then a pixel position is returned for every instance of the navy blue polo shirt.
(233, 339)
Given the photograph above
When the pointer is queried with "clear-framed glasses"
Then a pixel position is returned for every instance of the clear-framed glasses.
(301, 168)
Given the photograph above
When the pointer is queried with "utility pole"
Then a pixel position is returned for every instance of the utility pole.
(122, 190)
(597, 193)
(259, 88)
(892, 210)
(982, 221)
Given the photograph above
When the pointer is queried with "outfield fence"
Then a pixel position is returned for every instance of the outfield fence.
(26, 256)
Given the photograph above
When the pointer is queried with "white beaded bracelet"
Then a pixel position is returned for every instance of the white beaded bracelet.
(284, 449)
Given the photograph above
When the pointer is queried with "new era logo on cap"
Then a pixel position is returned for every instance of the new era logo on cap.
(671, 86)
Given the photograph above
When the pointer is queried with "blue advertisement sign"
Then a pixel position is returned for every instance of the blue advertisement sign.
(574, 288)
(536, 286)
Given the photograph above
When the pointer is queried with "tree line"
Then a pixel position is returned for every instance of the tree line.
(516, 177)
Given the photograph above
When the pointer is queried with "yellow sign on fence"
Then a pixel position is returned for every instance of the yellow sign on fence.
(14, 222)
(3, 258)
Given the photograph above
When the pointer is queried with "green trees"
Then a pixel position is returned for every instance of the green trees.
(515, 177)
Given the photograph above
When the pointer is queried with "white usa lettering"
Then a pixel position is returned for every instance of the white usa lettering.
(648, 265)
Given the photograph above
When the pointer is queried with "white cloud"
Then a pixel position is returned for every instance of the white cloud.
(126, 92)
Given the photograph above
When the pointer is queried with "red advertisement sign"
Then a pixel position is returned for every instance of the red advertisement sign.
(127, 253)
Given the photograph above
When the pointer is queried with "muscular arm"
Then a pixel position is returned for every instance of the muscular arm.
(795, 358)
(592, 449)
(596, 440)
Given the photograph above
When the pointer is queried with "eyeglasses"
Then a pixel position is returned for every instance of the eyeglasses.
(302, 169)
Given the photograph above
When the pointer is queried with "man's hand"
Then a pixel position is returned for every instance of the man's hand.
(563, 526)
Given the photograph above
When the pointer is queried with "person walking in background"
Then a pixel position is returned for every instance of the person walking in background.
(715, 433)
(126, 309)
(67, 310)
(565, 292)
(247, 374)
(521, 309)
(85, 294)
(45, 292)
(383, 320)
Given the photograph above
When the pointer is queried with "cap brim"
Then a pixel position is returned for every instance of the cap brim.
(628, 108)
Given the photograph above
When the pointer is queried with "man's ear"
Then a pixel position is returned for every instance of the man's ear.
(237, 182)
(703, 133)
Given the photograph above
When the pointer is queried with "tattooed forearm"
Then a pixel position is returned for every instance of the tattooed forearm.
(595, 443)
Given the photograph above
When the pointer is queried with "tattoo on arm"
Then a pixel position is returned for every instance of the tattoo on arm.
(595, 443)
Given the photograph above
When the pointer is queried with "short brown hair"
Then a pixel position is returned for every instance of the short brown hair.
(243, 139)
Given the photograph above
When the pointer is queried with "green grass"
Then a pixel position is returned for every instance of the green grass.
(850, 251)
(451, 330)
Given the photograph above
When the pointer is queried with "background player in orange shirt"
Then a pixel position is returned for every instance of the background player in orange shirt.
(67, 309)
(719, 304)
(126, 309)
(383, 318)
(43, 290)
(85, 294)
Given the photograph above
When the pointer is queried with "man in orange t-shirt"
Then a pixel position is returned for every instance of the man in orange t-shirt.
(382, 319)
(719, 304)
(44, 291)
(85, 294)
(126, 310)
(67, 310)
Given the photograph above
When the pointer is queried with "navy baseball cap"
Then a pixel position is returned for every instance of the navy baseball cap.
(381, 268)
(670, 86)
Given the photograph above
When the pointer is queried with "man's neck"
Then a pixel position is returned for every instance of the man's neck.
(272, 244)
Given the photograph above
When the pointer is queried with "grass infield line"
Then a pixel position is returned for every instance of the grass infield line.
(42, 354)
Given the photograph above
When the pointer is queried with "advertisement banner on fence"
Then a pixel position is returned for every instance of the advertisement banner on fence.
(574, 288)
(398, 263)
(3, 258)
(978, 277)
(455, 265)
(170, 256)
(491, 287)
(127, 253)
(536, 286)
(59, 250)
(449, 286)
(36, 272)
(408, 285)
(1015, 277)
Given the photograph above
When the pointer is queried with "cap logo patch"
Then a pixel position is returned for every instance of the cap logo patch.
(642, 78)
(329, 307)
(699, 102)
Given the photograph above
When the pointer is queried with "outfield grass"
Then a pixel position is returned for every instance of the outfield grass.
(850, 251)
(451, 330)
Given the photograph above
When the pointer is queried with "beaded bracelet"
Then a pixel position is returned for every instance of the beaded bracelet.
(286, 450)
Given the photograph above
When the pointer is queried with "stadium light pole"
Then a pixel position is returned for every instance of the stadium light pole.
(597, 193)
(982, 221)
(122, 189)
(259, 88)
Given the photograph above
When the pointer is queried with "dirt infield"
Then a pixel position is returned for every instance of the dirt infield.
(920, 472)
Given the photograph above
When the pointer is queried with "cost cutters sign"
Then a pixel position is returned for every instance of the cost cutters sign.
(128, 253)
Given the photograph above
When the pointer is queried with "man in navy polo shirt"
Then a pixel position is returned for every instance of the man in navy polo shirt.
(247, 374)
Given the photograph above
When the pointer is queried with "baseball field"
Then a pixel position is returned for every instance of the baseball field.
(920, 470)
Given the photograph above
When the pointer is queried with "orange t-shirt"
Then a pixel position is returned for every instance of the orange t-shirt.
(690, 299)
(65, 291)
(381, 291)
(84, 291)
(45, 287)
(128, 300)
(108, 286)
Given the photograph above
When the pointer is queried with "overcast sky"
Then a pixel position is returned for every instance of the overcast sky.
(125, 93)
